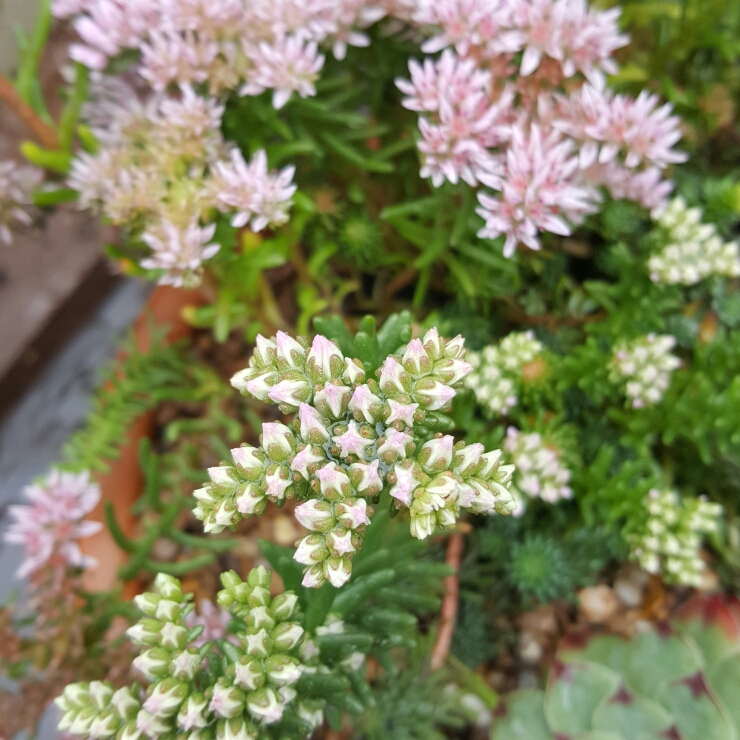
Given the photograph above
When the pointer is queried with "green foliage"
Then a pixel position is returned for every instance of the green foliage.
(369, 345)
(539, 569)
(677, 681)
(137, 383)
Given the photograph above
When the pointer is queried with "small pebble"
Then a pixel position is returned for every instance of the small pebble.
(530, 651)
(597, 603)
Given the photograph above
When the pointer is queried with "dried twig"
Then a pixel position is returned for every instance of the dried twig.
(42, 131)
(448, 613)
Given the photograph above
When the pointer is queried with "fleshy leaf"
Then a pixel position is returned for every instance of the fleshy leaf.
(631, 715)
(574, 690)
(520, 716)
(696, 711)
(654, 658)
(724, 679)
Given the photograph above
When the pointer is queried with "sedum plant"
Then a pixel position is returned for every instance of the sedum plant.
(352, 437)
(676, 681)
(216, 690)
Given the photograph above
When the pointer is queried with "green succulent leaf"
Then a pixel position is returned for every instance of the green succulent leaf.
(574, 690)
(654, 659)
(724, 678)
(697, 712)
(631, 715)
(521, 717)
(608, 651)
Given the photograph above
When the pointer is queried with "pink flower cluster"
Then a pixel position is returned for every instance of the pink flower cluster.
(264, 44)
(165, 164)
(51, 525)
(517, 102)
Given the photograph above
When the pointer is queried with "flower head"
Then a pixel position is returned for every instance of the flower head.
(51, 525)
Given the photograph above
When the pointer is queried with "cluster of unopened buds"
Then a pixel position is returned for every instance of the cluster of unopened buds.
(694, 250)
(539, 471)
(644, 366)
(213, 691)
(499, 369)
(671, 539)
(352, 438)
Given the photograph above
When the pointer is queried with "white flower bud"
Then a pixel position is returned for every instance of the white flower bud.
(251, 500)
(353, 372)
(340, 542)
(352, 513)
(365, 405)
(432, 344)
(168, 587)
(165, 698)
(401, 412)
(352, 442)
(227, 701)
(393, 378)
(185, 665)
(313, 429)
(258, 644)
(406, 483)
(283, 605)
(125, 704)
(282, 669)
(315, 515)
(277, 441)
(416, 359)
(264, 705)
(436, 454)
(423, 525)
(248, 459)
(366, 478)
(289, 353)
(248, 673)
(265, 350)
(431, 394)
(332, 400)
(338, 570)
(306, 461)
(100, 693)
(286, 636)
(311, 549)
(153, 663)
(325, 358)
(290, 391)
(395, 445)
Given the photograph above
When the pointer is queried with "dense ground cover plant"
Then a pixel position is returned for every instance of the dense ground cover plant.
(503, 171)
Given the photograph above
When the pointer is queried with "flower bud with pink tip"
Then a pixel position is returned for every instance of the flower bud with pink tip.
(316, 515)
(324, 360)
(277, 441)
(312, 427)
(290, 354)
(436, 455)
(393, 378)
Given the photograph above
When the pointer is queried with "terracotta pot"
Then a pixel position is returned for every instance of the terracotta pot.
(124, 482)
